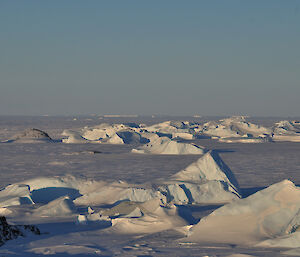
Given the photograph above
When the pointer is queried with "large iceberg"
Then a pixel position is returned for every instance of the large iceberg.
(206, 181)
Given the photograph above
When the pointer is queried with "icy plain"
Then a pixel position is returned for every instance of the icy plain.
(255, 166)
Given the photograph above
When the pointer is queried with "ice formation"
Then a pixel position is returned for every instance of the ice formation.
(73, 137)
(265, 218)
(134, 208)
(236, 126)
(129, 133)
(15, 195)
(32, 135)
(105, 133)
(111, 193)
(155, 216)
(172, 129)
(164, 145)
(206, 181)
(235, 129)
(287, 131)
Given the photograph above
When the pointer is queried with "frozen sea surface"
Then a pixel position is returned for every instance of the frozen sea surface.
(255, 166)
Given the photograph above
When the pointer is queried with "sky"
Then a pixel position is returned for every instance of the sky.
(71, 57)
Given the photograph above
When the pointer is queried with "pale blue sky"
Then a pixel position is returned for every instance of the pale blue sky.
(173, 57)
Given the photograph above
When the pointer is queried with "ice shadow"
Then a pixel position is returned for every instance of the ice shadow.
(200, 211)
(49, 230)
(129, 137)
(201, 136)
(185, 213)
(59, 228)
(46, 195)
(224, 151)
(230, 175)
(64, 254)
(245, 192)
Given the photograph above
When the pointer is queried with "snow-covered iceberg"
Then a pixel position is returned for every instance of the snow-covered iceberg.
(206, 181)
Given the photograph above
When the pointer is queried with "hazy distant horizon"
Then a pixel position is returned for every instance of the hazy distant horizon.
(203, 58)
(153, 116)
